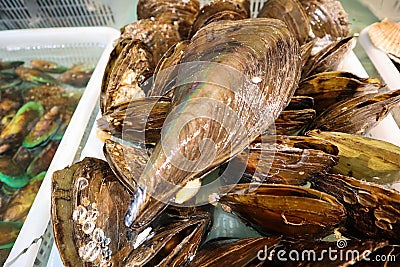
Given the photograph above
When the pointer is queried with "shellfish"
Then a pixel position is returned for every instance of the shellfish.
(386, 36)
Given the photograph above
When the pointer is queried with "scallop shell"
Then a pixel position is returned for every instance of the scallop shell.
(385, 35)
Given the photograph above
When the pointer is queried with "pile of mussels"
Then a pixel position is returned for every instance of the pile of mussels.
(37, 100)
(190, 91)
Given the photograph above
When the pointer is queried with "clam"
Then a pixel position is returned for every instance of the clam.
(286, 159)
(89, 203)
(328, 88)
(292, 13)
(357, 115)
(328, 19)
(291, 211)
(175, 162)
(217, 10)
(364, 158)
(182, 12)
(385, 35)
(372, 210)
(233, 252)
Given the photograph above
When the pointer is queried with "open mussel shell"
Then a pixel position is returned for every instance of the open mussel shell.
(385, 35)
(8, 233)
(292, 13)
(306, 51)
(357, 115)
(328, 19)
(290, 122)
(364, 158)
(157, 35)
(372, 210)
(328, 88)
(78, 75)
(233, 252)
(127, 162)
(291, 211)
(42, 161)
(11, 174)
(173, 243)
(89, 203)
(291, 160)
(182, 12)
(300, 102)
(217, 10)
(329, 58)
(4, 65)
(130, 64)
(139, 121)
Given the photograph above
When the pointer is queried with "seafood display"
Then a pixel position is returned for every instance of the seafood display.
(36, 107)
(212, 109)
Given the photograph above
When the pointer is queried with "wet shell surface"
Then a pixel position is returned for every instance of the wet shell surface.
(385, 35)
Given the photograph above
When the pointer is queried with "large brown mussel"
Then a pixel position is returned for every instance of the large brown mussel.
(179, 111)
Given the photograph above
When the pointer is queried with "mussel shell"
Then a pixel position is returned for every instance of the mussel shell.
(129, 66)
(232, 252)
(328, 88)
(44, 129)
(77, 76)
(247, 45)
(11, 174)
(140, 121)
(35, 76)
(88, 205)
(306, 51)
(221, 10)
(329, 58)
(47, 66)
(42, 161)
(291, 211)
(357, 115)
(292, 13)
(157, 35)
(20, 125)
(364, 158)
(372, 210)
(166, 69)
(22, 200)
(50, 95)
(173, 243)
(4, 65)
(327, 18)
(291, 160)
(181, 12)
(300, 102)
(8, 233)
(290, 122)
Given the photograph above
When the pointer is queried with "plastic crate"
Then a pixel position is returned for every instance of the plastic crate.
(65, 46)
(26, 14)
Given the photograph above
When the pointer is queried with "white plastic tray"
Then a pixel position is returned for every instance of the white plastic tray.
(65, 46)
(386, 130)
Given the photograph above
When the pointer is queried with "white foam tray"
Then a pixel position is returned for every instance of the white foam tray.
(65, 46)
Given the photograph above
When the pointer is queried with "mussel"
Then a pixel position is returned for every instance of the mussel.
(291, 211)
